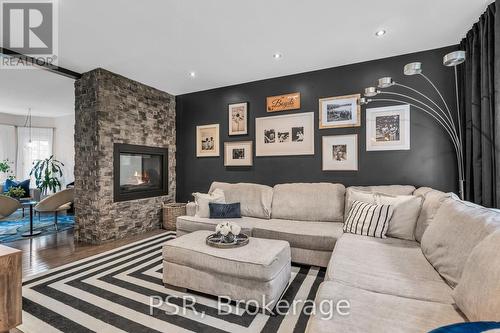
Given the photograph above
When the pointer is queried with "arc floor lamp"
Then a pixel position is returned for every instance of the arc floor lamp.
(439, 111)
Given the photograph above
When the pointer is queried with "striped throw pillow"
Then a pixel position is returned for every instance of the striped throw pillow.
(368, 219)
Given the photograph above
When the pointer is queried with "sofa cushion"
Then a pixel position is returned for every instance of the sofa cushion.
(255, 199)
(478, 292)
(406, 212)
(309, 202)
(374, 312)
(432, 201)
(457, 228)
(301, 234)
(187, 224)
(387, 189)
(390, 266)
(353, 194)
(260, 260)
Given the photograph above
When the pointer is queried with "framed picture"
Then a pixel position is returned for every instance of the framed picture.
(388, 128)
(340, 152)
(238, 119)
(283, 102)
(341, 111)
(238, 153)
(207, 140)
(285, 135)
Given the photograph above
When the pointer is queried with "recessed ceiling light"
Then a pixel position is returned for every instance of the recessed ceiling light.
(380, 33)
(192, 74)
(277, 55)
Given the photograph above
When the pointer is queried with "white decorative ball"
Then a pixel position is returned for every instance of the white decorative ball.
(235, 229)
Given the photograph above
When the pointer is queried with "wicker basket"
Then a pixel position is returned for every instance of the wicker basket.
(170, 213)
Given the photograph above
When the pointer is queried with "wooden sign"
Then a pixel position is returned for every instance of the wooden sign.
(283, 102)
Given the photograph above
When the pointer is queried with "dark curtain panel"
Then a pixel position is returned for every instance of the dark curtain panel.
(480, 102)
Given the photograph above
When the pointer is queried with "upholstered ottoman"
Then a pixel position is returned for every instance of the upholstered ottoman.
(258, 271)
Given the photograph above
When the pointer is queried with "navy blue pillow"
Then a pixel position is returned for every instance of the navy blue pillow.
(25, 185)
(224, 211)
(475, 327)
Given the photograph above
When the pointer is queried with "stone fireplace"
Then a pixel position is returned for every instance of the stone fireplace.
(121, 120)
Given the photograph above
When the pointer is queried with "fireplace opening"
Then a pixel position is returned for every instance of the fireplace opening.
(140, 172)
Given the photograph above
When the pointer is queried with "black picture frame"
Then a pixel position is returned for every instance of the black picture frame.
(119, 148)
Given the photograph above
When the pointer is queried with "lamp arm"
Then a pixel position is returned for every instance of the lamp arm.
(452, 135)
(428, 98)
(450, 126)
(440, 95)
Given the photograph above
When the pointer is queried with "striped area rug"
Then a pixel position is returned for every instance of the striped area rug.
(110, 292)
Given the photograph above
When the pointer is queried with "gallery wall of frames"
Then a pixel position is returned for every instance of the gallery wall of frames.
(310, 127)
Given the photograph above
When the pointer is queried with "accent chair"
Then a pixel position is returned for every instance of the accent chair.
(56, 203)
(8, 206)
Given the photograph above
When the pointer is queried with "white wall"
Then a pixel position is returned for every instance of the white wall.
(64, 145)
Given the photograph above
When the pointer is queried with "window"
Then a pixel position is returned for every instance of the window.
(28, 152)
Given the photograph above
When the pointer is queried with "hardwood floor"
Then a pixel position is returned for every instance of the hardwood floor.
(46, 252)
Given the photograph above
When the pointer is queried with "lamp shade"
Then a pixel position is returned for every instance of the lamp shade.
(453, 59)
(371, 91)
(413, 68)
(385, 82)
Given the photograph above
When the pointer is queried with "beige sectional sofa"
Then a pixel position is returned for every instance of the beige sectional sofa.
(392, 284)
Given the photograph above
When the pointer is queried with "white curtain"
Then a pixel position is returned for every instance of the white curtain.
(8, 147)
(27, 153)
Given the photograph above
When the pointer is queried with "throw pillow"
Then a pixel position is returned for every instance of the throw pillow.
(203, 199)
(25, 185)
(368, 219)
(406, 211)
(224, 211)
(357, 195)
(478, 291)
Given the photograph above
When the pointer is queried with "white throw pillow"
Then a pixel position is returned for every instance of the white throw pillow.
(357, 195)
(406, 211)
(368, 219)
(203, 199)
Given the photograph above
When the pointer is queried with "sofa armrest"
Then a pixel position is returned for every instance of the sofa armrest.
(35, 194)
(191, 209)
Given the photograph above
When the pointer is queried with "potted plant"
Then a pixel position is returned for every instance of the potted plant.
(15, 192)
(47, 173)
(6, 168)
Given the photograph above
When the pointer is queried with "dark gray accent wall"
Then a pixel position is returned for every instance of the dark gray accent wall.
(430, 162)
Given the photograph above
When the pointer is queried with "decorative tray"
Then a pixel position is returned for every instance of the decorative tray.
(225, 242)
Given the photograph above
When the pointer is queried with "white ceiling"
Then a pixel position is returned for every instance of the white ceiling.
(47, 94)
(232, 41)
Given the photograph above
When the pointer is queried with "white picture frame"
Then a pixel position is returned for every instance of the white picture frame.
(291, 134)
(340, 152)
(388, 128)
(340, 111)
(238, 118)
(207, 140)
(238, 153)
